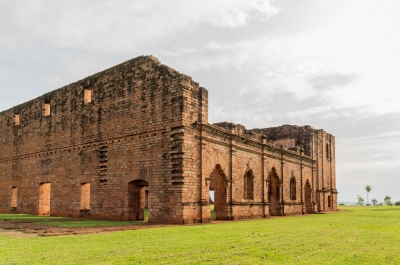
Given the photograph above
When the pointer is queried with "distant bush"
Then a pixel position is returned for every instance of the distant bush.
(368, 204)
(397, 203)
(341, 204)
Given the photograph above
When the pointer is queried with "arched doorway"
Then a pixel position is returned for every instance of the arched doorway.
(274, 193)
(307, 197)
(218, 185)
(137, 199)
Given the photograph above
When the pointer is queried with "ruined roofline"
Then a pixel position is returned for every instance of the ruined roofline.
(260, 131)
(226, 123)
(289, 131)
(143, 59)
(306, 127)
(237, 129)
(240, 131)
(295, 138)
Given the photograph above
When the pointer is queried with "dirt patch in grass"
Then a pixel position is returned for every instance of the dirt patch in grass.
(16, 234)
(26, 228)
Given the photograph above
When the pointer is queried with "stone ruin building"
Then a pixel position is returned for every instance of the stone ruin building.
(137, 135)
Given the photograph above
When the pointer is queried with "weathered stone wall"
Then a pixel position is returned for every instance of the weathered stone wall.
(138, 134)
(129, 131)
(236, 152)
(320, 146)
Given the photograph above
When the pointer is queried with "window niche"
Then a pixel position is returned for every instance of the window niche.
(17, 119)
(14, 198)
(87, 95)
(85, 196)
(46, 109)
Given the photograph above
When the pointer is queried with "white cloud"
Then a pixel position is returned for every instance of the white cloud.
(237, 13)
(110, 26)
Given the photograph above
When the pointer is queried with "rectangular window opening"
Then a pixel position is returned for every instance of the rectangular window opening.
(14, 194)
(329, 201)
(44, 198)
(87, 96)
(16, 119)
(46, 109)
(85, 196)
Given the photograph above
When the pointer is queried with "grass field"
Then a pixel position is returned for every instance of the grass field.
(357, 235)
(26, 217)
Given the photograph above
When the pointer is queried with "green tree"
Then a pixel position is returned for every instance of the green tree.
(388, 200)
(368, 189)
(360, 200)
(374, 201)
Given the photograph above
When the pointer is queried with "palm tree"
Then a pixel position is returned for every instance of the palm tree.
(374, 201)
(368, 189)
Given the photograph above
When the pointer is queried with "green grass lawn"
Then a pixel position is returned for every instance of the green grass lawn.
(359, 235)
(27, 217)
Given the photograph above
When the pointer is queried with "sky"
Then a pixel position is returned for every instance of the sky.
(331, 64)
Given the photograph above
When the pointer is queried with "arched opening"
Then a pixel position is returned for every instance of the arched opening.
(137, 199)
(274, 193)
(293, 188)
(307, 197)
(218, 188)
(249, 185)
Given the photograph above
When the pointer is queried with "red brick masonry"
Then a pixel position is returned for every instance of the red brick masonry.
(137, 135)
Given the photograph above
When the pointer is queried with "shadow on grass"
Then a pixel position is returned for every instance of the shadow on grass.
(89, 223)
(27, 217)
(65, 222)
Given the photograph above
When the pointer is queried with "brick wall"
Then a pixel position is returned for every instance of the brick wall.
(106, 130)
(138, 134)
(320, 146)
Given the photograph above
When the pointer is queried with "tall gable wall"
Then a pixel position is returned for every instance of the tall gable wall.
(123, 134)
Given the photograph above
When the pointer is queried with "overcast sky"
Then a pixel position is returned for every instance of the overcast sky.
(334, 65)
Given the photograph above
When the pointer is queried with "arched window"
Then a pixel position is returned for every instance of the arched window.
(293, 188)
(249, 185)
(273, 187)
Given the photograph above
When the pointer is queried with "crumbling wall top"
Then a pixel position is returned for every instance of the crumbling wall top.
(239, 130)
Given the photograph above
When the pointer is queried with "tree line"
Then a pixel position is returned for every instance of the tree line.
(386, 201)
